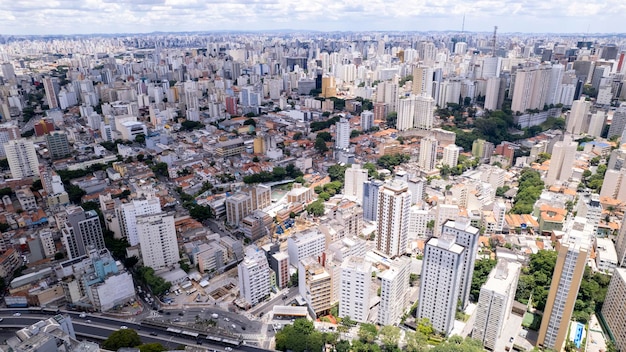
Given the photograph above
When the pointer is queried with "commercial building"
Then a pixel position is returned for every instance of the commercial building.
(82, 232)
(315, 286)
(370, 199)
(58, 145)
(238, 206)
(308, 243)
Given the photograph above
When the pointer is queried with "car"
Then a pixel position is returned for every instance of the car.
(17, 314)
(226, 319)
(511, 339)
(167, 313)
(82, 315)
(181, 313)
(153, 333)
(1, 319)
(88, 321)
(123, 327)
(228, 348)
(243, 327)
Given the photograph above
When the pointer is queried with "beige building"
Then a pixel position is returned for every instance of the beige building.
(315, 286)
(614, 308)
(238, 206)
(568, 273)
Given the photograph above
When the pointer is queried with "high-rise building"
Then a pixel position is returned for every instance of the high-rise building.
(82, 232)
(367, 120)
(394, 202)
(394, 288)
(562, 161)
(568, 273)
(577, 118)
(620, 245)
(129, 213)
(614, 184)
(354, 296)
(531, 88)
(614, 308)
(342, 138)
(387, 92)
(492, 93)
(8, 133)
(315, 286)
(51, 89)
(596, 123)
(440, 283)
(451, 155)
(406, 113)
(58, 145)
(422, 81)
(482, 149)
(254, 276)
(428, 153)
(465, 236)
(22, 158)
(494, 303)
(157, 239)
(355, 177)
(618, 122)
(370, 199)
(309, 243)
(424, 112)
(238, 206)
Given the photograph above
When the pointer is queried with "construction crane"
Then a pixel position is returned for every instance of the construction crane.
(495, 30)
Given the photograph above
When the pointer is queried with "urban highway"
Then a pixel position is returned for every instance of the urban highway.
(99, 328)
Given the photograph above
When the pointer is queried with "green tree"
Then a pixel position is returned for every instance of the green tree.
(416, 342)
(482, 268)
(140, 138)
(160, 169)
(122, 338)
(152, 347)
(316, 208)
(343, 346)
(390, 336)
(320, 146)
(392, 119)
(368, 332)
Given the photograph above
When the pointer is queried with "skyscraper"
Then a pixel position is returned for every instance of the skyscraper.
(494, 303)
(355, 177)
(618, 122)
(424, 112)
(131, 210)
(451, 155)
(354, 297)
(367, 120)
(531, 88)
(370, 199)
(157, 239)
(342, 138)
(428, 153)
(562, 161)
(614, 308)
(394, 287)
(577, 118)
(465, 236)
(422, 81)
(58, 145)
(440, 283)
(254, 276)
(394, 202)
(82, 232)
(568, 273)
(22, 158)
(51, 90)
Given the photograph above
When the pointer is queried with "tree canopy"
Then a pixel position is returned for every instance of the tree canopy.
(121, 338)
(482, 268)
(301, 336)
(529, 190)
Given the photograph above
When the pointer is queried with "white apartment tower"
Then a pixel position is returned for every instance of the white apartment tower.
(531, 88)
(254, 276)
(354, 179)
(309, 243)
(577, 118)
(562, 161)
(465, 236)
(614, 308)
(424, 112)
(394, 203)
(394, 288)
(494, 303)
(130, 211)
(356, 277)
(22, 158)
(428, 153)
(440, 283)
(342, 138)
(422, 81)
(451, 155)
(157, 238)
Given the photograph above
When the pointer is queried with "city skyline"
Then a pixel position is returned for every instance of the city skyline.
(146, 16)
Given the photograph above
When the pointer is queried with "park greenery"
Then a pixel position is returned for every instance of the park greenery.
(529, 190)
(536, 278)
(322, 125)
(390, 161)
(129, 338)
(301, 336)
(278, 174)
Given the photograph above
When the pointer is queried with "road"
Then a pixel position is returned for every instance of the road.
(225, 319)
(278, 300)
(100, 327)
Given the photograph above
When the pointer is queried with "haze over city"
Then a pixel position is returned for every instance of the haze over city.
(33, 17)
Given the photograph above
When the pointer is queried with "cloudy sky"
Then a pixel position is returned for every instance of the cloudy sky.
(140, 16)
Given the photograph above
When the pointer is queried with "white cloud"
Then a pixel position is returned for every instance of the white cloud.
(112, 16)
